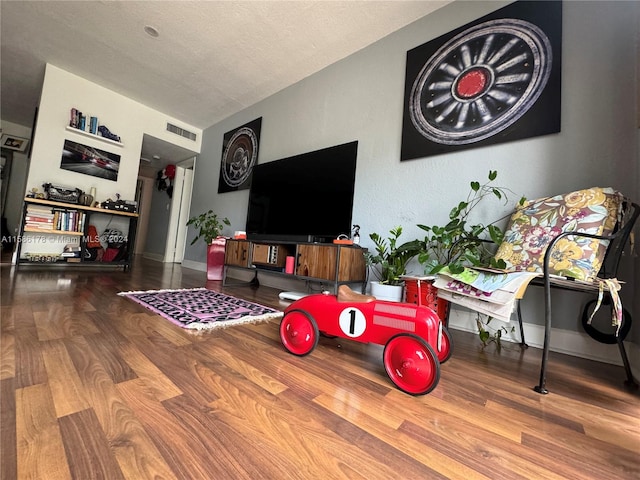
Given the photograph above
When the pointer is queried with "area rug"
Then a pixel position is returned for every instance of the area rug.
(202, 309)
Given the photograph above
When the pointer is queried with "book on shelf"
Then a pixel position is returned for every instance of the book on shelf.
(69, 220)
(38, 208)
(33, 219)
(39, 226)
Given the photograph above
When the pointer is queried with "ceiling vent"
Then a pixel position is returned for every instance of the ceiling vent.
(181, 131)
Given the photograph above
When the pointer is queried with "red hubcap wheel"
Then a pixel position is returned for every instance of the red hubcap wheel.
(299, 332)
(411, 364)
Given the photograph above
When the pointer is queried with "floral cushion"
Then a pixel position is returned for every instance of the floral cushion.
(533, 226)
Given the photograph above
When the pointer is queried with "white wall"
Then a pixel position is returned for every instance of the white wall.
(63, 91)
(361, 98)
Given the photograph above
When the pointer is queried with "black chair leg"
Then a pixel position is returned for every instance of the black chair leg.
(541, 387)
(630, 382)
(523, 344)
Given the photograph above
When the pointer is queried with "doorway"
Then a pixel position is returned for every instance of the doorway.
(180, 208)
(163, 212)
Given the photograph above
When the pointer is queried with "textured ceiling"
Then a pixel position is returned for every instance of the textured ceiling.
(210, 60)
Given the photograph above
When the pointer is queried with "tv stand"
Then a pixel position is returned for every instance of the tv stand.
(323, 263)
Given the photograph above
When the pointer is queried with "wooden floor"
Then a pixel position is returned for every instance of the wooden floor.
(93, 386)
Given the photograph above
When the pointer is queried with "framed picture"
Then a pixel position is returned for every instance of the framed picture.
(494, 80)
(80, 158)
(239, 155)
(12, 142)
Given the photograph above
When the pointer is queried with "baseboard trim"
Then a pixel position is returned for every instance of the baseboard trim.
(200, 266)
(577, 344)
(153, 256)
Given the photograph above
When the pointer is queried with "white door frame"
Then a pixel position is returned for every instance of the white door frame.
(179, 211)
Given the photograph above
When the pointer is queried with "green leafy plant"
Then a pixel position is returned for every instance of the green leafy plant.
(459, 243)
(390, 258)
(208, 225)
(488, 334)
(463, 243)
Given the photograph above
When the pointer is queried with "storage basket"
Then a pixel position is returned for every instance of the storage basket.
(422, 292)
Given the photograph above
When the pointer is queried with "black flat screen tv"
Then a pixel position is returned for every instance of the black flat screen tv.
(303, 198)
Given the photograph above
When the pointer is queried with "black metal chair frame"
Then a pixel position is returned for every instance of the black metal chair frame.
(609, 270)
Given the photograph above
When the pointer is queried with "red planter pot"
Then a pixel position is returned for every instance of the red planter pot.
(215, 259)
(422, 292)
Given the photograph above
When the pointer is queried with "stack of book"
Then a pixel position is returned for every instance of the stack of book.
(493, 293)
(39, 217)
(71, 253)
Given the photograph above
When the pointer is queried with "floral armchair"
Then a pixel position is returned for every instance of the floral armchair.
(575, 241)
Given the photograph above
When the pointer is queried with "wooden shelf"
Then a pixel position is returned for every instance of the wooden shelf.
(75, 206)
(52, 232)
(92, 135)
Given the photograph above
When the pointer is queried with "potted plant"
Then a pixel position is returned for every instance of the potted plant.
(389, 264)
(209, 228)
(461, 242)
(456, 244)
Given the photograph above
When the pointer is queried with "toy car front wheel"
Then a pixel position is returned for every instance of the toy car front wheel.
(411, 364)
(299, 332)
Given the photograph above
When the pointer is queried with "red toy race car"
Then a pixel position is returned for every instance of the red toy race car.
(415, 340)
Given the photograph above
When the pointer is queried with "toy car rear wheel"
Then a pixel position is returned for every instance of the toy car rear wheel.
(412, 364)
(299, 332)
(445, 346)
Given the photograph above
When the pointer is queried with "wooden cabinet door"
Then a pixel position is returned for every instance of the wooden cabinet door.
(352, 266)
(237, 253)
(317, 261)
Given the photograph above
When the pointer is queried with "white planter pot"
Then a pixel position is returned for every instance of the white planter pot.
(391, 293)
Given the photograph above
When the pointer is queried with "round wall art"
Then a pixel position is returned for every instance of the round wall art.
(239, 155)
(494, 80)
(481, 81)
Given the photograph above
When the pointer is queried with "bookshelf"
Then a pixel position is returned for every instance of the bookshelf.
(56, 233)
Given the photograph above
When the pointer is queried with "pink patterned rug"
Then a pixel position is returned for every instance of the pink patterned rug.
(202, 309)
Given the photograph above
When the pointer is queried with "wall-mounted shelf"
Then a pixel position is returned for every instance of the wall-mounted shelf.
(92, 135)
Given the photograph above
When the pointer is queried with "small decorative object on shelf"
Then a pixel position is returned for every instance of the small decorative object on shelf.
(35, 194)
(59, 193)
(104, 131)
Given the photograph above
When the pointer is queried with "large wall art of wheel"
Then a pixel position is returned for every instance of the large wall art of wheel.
(492, 81)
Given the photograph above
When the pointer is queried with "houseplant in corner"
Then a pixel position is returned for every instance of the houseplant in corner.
(456, 244)
(209, 228)
(389, 264)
